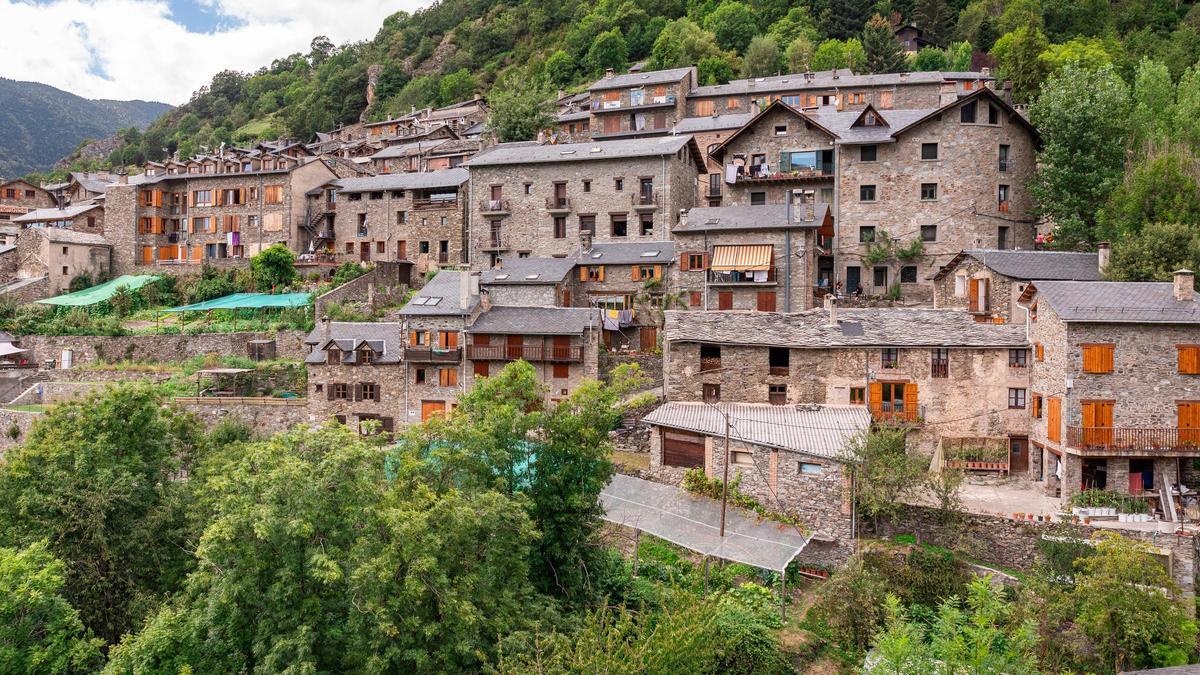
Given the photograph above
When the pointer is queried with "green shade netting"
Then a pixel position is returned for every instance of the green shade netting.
(248, 301)
(102, 292)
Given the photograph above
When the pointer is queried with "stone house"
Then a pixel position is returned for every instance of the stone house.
(355, 373)
(790, 458)
(639, 103)
(24, 195)
(766, 258)
(561, 343)
(216, 210)
(82, 217)
(835, 89)
(405, 216)
(85, 185)
(451, 154)
(58, 255)
(8, 212)
(415, 156)
(531, 282)
(434, 323)
(936, 371)
(632, 280)
(573, 127)
(709, 133)
(989, 282)
(1114, 389)
(541, 200)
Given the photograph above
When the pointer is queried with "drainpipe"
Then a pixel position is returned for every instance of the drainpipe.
(787, 253)
(837, 216)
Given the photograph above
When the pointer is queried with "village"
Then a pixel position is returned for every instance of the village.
(791, 261)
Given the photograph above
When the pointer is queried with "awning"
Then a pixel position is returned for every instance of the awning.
(754, 258)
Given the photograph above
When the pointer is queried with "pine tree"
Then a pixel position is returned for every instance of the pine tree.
(935, 19)
(883, 52)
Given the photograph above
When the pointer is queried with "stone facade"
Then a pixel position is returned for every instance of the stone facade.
(952, 291)
(627, 105)
(26, 195)
(777, 130)
(60, 255)
(789, 285)
(433, 381)
(337, 392)
(157, 348)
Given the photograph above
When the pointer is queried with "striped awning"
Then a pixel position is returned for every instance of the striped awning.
(751, 258)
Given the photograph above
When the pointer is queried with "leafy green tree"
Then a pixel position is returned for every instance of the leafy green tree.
(845, 19)
(1019, 56)
(274, 267)
(885, 473)
(1082, 116)
(1154, 252)
(762, 57)
(800, 55)
(1153, 105)
(608, 50)
(95, 478)
(929, 59)
(41, 631)
(935, 18)
(732, 24)
(1185, 123)
(1086, 52)
(714, 70)
(829, 55)
(1120, 607)
(519, 109)
(682, 43)
(879, 43)
(457, 86)
(1066, 19)
(314, 561)
(977, 24)
(798, 22)
(1160, 188)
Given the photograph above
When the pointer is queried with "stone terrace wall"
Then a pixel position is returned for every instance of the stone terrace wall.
(264, 416)
(384, 277)
(651, 365)
(23, 421)
(289, 344)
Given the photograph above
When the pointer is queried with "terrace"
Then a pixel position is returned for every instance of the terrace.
(1108, 441)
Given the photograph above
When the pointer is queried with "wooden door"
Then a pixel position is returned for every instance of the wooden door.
(683, 449)
(515, 346)
(566, 297)
(649, 338)
(364, 251)
(562, 347)
(1018, 454)
(725, 300)
(1054, 419)
(431, 408)
(1188, 423)
(1097, 423)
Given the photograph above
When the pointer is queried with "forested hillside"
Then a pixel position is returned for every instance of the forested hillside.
(457, 47)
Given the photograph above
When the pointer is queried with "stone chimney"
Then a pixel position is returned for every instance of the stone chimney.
(985, 72)
(1185, 285)
(831, 309)
(123, 178)
(609, 73)
(326, 330)
(948, 93)
(464, 289)
(1103, 251)
(585, 241)
(473, 282)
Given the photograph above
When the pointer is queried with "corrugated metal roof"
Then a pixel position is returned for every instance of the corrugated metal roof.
(819, 430)
(1116, 301)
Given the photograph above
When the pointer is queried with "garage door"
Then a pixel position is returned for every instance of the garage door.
(683, 449)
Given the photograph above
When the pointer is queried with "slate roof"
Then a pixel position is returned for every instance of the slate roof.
(1032, 265)
(574, 116)
(41, 215)
(827, 79)
(639, 79)
(691, 125)
(349, 335)
(406, 149)
(532, 153)
(856, 328)
(65, 236)
(1114, 301)
(446, 178)
(818, 430)
(446, 289)
(92, 182)
(758, 217)
(536, 320)
(517, 271)
(841, 124)
(629, 253)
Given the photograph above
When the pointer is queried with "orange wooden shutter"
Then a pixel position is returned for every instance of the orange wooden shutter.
(1189, 359)
(1097, 358)
(683, 262)
(658, 271)
(583, 272)
(147, 255)
(1189, 422)
(636, 273)
(601, 269)
(973, 295)
(910, 398)
(412, 338)
(1054, 419)
(876, 396)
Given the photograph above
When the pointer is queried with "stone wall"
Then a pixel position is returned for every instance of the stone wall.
(324, 401)
(761, 138)
(399, 225)
(650, 364)
(793, 250)
(264, 416)
(22, 420)
(377, 286)
(289, 344)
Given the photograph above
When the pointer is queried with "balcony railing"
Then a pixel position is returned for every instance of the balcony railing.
(561, 354)
(493, 206)
(428, 204)
(1132, 439)
(562, 204)
(433, 354)
(644, 200)
(738, 278)
(755, 173)
(939, 368)
(1006, 164)
(496, 241)
(888, 413)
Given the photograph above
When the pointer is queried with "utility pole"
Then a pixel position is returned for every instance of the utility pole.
(725, 480)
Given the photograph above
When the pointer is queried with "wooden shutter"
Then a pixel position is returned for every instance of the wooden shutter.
(658, 271)
(387, 424)
(683, 262)
(1039, 352)
(973, 294)
(329, 391)
(375, 394)
(147, 255)
(1054, 419)
(1097, 358)
(876, 399)
(766, 301)
(583, 273)
(1189, 423)
(724, 300)
(636, 273)
(358, 394)
(601, 270)
(910, 400)
(1189, 359)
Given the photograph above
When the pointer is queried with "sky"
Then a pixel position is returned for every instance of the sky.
(163, 50)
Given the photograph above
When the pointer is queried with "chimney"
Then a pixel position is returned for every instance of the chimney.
(1103, 251)
(123, 178)
(985, 72)
(808, 77)
(473, 284)
(464, 289)
(608, 73)
(831, 308)
(326, 330)
(585, 241)
(1185, 285)
(948, 93)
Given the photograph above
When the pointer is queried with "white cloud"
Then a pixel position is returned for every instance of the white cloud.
(126, 49)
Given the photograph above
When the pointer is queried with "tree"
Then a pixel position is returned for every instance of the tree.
(560, 69)
(682, 43)
(1154, 253)
(608, 50)
(885, 474)
(1153, 104)
(1128, 605)
(95, 479)
(762, 57)
(274, 267)
(1160, 188)
(845, 18)
(457, 86)
(800, 55)
(519, 109)
(929, 59)
(934, 18)
(882, 50)
(41, 631)
(958, 56)
(1019, 56)
(1185, 125)
(1082, 116)
(797, 23)
(1086, 52)
(733, 25)
(714, 70)
(832, 54)
(314, 561)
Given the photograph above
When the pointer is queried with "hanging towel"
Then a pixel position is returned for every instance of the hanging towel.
(625, 318)
(731, 173)
(235, 238)
(760, 275)
(610, 322)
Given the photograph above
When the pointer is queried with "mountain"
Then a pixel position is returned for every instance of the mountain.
(40, 124)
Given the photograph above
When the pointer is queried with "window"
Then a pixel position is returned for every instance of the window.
(929, 233)
(1004, 158)
(765, 301)
(64, 270)
(809, 469)
(1018, 358)
(711, 393)
(376, 196)
(273, 194)
(881, 277)
(890, 357)
(777, 394)
(993, 114)
(423, 247)
(928, 191)
(694, 261)
(866, 233)
(778, 360)
(381, 247)
(741, 457)
(858, 395)
(866, 193)
(1189, 359)
(419, 376)
(202, 198)
(528, 188)
(618, 184)
(908, 274)
(562, 371)
(1016, 398)
(695, 298)
(370, 391)
(758, 198)
(587, 224)
(724, 300)
(1039, 352)
(1036, 408)
(619, 225)
(710, 357)
(781, 130)
(733, 104)
(593, 273)
(1002, 195)
(929, 151)
(1002, 237)
(939, 362)
(447, 377)
(1097, 359)
(560, 227)
(966, 114)
(647, 224)
(868, 153)
(340, 390)
(587, 186)
(704, 108)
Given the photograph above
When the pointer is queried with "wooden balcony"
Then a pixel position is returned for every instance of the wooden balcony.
(496, 241)
(558, 205)
(886, 414)
(494, 207)
(739, 278)
(1133, 440)
(531, 353)
(823, 171)
(432, 355)
(432, 204)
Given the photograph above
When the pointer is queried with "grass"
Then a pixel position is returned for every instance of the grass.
(33, 407)
(631, 460)
(262, 128)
